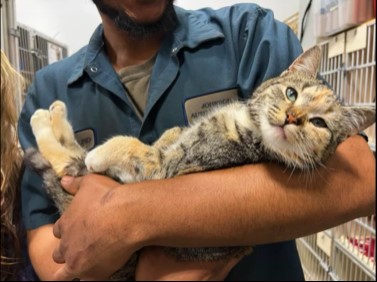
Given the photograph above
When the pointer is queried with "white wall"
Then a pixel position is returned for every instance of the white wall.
(308, 40)
(281, 8)
(72, 22)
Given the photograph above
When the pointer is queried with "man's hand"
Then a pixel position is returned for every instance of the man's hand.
(90, 247)
(156, 265)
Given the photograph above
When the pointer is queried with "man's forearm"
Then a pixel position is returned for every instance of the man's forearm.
(254, 204)
(107, 222)
(41, 243)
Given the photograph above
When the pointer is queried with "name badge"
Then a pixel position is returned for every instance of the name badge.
(201, 105)
(85, 138)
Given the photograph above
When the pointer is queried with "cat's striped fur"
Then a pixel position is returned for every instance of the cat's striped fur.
(294, 119)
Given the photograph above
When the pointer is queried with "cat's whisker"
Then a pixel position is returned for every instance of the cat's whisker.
(323, 165)
(320, 175)
(330, 169)
(292, 171)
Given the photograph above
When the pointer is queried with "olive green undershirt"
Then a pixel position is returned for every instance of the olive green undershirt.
(136, 80)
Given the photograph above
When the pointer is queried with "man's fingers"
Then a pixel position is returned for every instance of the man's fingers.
(64, 275)
(57, 255)
(56, 229)
(71, 184)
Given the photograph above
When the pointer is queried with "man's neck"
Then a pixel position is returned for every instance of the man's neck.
(124, 50)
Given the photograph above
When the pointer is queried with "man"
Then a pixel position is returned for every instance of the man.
(151, 66)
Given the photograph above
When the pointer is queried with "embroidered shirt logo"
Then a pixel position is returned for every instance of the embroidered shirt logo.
(199, 106)
(85, 138)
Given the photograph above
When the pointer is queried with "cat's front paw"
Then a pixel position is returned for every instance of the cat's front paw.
(95, 161)
(40, 120)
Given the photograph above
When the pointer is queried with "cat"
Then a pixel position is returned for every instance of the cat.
(294, 119)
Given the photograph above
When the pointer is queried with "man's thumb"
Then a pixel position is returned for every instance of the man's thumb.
(70, 184)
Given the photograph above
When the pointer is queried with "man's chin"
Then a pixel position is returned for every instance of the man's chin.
(141, 25)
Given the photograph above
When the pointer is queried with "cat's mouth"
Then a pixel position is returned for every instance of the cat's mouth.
(278, 131)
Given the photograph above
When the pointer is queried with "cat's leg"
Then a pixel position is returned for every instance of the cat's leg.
(168, 137)
(125, 158)
(51, 149)
(62, 128)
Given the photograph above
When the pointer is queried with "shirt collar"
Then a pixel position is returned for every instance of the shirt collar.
(88, 54)
(190, 32)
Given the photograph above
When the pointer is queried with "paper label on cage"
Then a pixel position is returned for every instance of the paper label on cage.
(336, 45)
(324, 242)
(356, 39)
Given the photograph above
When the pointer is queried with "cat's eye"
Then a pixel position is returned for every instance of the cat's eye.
(291, 94)
(318, 122)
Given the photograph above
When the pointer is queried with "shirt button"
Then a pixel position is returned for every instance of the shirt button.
(93, 69)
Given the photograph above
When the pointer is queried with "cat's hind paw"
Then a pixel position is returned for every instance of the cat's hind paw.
(61, 127)
(58, 110)
(40, 120)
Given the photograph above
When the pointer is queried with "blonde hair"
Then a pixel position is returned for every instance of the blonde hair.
(11, 83)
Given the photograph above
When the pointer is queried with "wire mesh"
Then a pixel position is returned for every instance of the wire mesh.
(36, 51)
(346, 252)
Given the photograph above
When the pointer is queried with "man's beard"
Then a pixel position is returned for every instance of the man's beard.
(166, 23)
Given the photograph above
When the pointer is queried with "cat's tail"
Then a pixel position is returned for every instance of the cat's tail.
(35, 161)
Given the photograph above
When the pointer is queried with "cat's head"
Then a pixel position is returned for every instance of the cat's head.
(302, 121)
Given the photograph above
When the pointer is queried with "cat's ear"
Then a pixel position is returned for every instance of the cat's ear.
(358, 118)
(307, 63)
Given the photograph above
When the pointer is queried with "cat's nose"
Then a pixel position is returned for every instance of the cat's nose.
(291, 119)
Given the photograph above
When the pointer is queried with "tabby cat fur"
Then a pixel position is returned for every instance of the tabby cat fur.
(294, 119)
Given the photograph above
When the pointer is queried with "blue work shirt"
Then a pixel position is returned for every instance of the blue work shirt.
(212, 57)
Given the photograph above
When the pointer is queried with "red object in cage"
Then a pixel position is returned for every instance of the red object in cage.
(365, 245)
